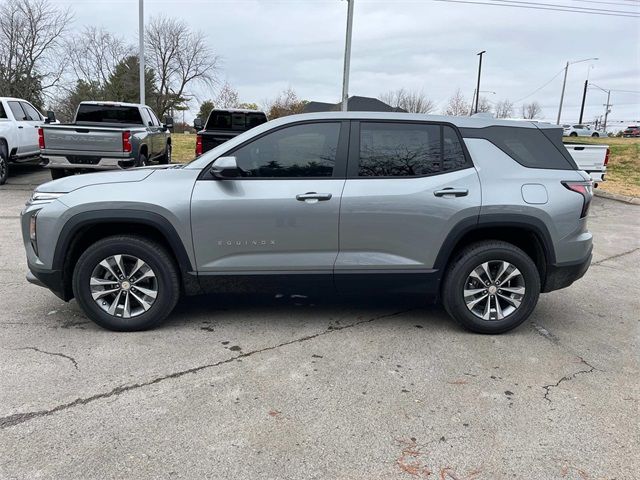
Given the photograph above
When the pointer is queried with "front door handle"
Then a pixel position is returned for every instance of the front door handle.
(313, 197)
(456, 192)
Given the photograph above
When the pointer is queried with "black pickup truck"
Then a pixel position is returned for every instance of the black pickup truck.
(223, 125)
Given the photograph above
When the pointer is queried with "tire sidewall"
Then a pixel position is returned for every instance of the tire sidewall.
(142, 160)
(456, 279)
(4, 164)
(165, 300)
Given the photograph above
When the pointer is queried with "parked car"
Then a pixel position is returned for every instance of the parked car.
(631, 131)
(106, 136)
(593, 159)
(223, 125)
(482, 214)
(19, 123)
(579, 131)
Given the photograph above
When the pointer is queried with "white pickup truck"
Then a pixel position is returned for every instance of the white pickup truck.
(19, 123)
(593, 159)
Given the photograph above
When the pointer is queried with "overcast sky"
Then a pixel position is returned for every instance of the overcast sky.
(268, 45)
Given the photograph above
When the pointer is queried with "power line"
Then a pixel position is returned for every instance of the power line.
(567, 9)
(608, 3)
(589, 9)
(540, 88)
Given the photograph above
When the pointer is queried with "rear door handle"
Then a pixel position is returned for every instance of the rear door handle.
(456, 192)
(313, 197)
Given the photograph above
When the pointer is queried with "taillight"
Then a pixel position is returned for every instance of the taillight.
(126, 141)
(606, 158)
(198, 145)
(586, 190)
(41, 138)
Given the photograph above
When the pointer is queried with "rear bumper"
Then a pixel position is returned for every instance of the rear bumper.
(564, 274)
(103, 163)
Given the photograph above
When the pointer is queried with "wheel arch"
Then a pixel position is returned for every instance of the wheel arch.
(86, 228)
(526, 232)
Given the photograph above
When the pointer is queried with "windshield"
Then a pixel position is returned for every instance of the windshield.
(90, 113)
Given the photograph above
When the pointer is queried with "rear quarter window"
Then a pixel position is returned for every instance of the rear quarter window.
(3, 114)
(530, 147)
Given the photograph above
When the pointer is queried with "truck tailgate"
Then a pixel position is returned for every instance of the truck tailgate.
(588, 157)
(82, 139)
(211, 140)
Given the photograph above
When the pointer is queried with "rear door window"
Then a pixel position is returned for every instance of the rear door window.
(18, 112)
(3, 114)
(31, 112)
(398, 149)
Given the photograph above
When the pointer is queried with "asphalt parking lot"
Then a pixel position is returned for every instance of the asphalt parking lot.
(314, 388)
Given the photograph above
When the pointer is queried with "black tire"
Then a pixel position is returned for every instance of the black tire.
(4, 163)
(595, 134)
(166, 158)
(156, 257)
(57, 173)
(467, 260)
(573, 134)
(142, 161)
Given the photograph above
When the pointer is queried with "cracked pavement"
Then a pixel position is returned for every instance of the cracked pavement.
(315, 388)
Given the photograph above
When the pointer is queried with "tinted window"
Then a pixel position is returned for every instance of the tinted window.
(108, 114)
(222, 120)
(530, 147)
(255, 119)
(31, 112)
(298, 151)
(17, 111)
(408, 149)
(3, 114)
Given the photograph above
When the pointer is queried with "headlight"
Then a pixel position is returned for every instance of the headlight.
(42, 198)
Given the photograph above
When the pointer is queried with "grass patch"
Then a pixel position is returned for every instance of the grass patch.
(623, 171)
(184, 147)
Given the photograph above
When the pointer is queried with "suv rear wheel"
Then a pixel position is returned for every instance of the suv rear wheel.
(126, 283)
(491, 287)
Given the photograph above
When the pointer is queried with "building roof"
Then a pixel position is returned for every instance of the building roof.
(355, 104)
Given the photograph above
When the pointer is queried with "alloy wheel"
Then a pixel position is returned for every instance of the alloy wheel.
(494, 290)
(123, 286)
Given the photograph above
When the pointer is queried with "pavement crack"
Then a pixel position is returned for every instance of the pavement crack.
(566, 378)
(55, 354)
(545, 333)
(616, 256)
(18, 418)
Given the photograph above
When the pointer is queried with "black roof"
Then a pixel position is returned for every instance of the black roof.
(355, 104)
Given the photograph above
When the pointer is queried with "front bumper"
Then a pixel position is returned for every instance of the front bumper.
(99, 163)
(562, 275)
(51, 279)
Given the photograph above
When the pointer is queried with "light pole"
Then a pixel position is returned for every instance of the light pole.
(479, 71)
(141, 48)
(564, 84)
(584, 93)
(347, 57)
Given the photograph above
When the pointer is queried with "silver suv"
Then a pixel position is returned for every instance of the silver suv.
(478, 213)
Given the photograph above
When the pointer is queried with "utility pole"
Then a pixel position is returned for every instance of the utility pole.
(347, 57)
(564, 84)
(479, 72)
(584, 98)
(141, 49)
(607, 109)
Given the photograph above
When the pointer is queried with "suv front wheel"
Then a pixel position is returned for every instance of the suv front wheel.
(491, 287)
(126, 283)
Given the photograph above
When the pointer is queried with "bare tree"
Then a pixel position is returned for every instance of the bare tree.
(31, 44)
(457, 105)
(95, 53)
(503, 109)
(227, 97)
(180, 57)
(286, 103)
(484, 106)
(531, 110)
(410, 101)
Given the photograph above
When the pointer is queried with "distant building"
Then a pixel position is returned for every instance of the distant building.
(355, 104)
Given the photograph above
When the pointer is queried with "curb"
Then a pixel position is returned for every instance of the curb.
(617, 197)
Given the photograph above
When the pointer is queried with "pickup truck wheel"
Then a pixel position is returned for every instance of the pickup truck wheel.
(142, 161)
(166, 158)
(57, 173)
(126, 283)
(491, 287)
(4, 164)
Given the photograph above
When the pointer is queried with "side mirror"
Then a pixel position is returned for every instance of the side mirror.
(225, 167)
(51, 117)
(198, 124)
(168, 123)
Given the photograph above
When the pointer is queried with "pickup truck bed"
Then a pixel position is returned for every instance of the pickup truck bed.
(592, 159)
